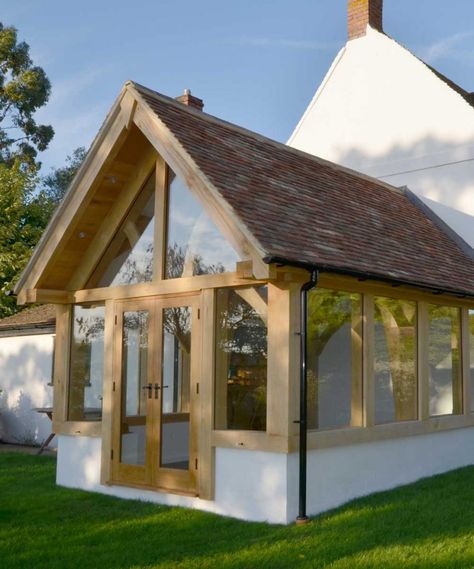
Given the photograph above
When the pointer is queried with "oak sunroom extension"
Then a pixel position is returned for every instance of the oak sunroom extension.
(176, 262)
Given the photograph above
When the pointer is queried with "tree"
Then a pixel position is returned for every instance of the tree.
(58, 181)
(24, 88)
(23, 215)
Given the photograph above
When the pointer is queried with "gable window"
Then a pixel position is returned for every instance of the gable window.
(444, 360)
(395, 376)
(129, 257)
(86, 368)
(194, 245)
(241, 359)
(334, 359)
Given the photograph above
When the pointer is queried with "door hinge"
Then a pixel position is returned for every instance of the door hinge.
(111, 454)
(196, 463)
(116, 320)
(113, 386)
(199, 314)
(197, 388)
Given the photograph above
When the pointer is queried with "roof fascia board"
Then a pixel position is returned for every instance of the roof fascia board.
(103, 149)
(168, 146)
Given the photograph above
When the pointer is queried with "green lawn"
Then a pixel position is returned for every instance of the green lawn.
(428, 524)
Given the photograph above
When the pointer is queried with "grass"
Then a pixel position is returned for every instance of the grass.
(427, 524)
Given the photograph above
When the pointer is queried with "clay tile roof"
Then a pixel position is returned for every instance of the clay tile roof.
(308, 210)
(38, 317)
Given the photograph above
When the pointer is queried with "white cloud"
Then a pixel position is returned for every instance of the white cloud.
(448, 47)
(286, 43)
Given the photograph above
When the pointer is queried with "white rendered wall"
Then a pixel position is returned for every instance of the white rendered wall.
(382, 111)
(25, 372)
(338, 475)
(249, 485)
(263, 486)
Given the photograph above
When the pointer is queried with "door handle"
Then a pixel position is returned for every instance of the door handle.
(157, 389)
(149, 387)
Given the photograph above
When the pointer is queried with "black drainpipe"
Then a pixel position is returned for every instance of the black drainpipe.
(302, 518)
(303, 421)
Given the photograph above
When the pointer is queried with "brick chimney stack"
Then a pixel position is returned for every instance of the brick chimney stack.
(190, 100)
(362, 13)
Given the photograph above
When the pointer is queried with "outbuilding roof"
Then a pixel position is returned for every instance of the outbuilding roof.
(311, 211)
(37, 317)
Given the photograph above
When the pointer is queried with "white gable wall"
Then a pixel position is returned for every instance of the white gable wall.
(382, 111)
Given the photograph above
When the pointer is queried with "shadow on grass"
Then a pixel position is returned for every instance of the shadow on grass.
(428, 524)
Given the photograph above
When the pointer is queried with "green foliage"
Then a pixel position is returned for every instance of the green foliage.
(23, 216)
(55, 184)
(24, 88)
(424, 525)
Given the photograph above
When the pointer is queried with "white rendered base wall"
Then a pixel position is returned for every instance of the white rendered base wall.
(338, 475)
(263, 486)
(249, 485)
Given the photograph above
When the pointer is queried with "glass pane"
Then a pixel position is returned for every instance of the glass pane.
(129, 258)
(194, 244)
(86, 364)
(444, 360)
(176, 382)
(334, 359)
(395, 360)
(471, 350)
(134, 387)
(241, 359)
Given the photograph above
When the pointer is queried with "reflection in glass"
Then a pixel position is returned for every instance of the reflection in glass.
(86, 363)
(395, 360)
(334, 359)
(471, 356)
(129, 257)
(134, 387)
(194, 244)
(444, 360)
(175, 389)
(241, 359)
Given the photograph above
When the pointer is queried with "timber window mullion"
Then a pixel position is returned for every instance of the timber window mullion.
(368, 360)
(423, 367)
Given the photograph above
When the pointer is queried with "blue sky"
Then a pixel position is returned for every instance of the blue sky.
(254, 62)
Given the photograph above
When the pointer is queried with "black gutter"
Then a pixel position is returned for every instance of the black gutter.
(365, 276)
(303, 421)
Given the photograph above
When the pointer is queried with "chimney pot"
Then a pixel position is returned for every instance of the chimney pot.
(190, 100)
(363, 13)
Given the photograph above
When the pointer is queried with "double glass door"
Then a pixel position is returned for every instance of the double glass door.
(155, 393)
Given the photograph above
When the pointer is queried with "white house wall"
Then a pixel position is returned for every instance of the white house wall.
(382, 111)
(25, 378)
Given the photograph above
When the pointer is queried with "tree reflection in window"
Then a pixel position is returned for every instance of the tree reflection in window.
(395, 360)
(241, 359)
(444, 359)
(86, 363)
(334, 359)
(194, 245)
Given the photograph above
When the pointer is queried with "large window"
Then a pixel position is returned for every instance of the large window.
(86, 364)
(194, 245)
(471, 355)
(444, 360)
(334, 359)
(395, 376)
(241, 359)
